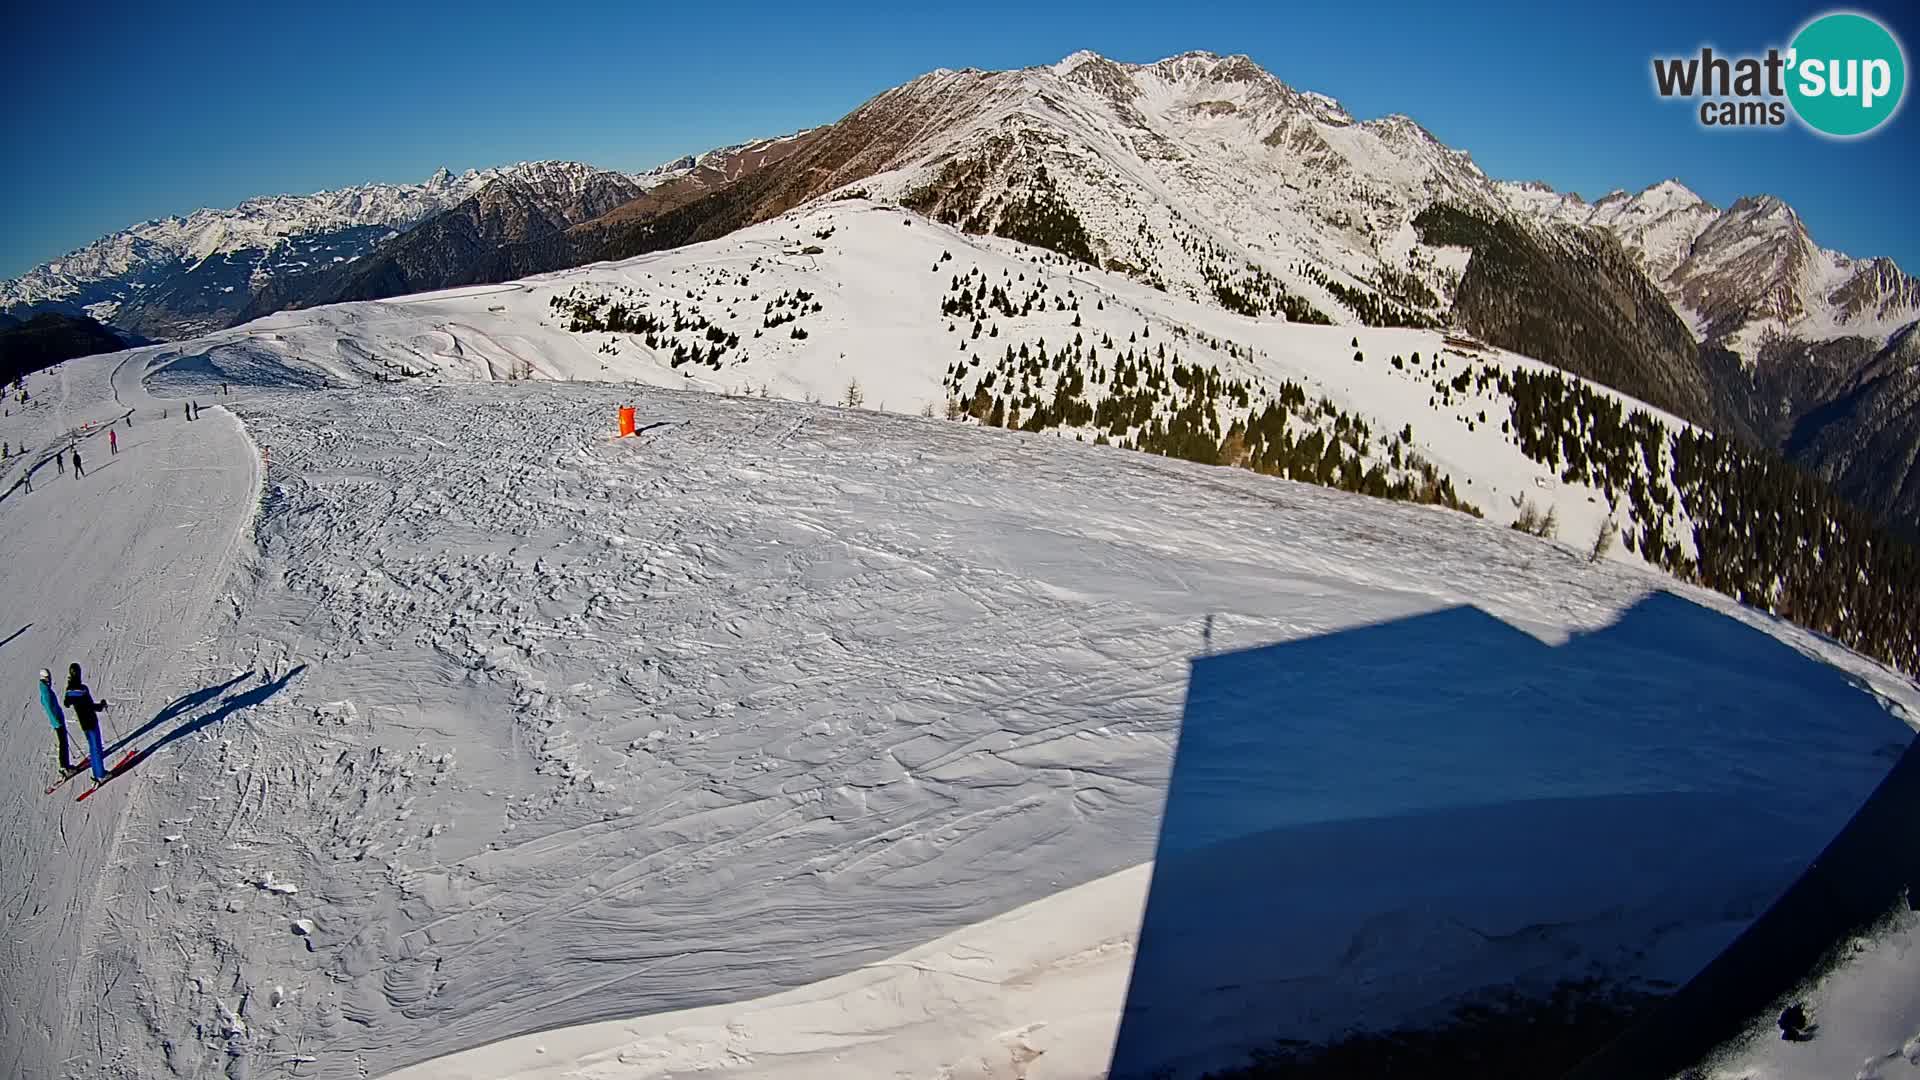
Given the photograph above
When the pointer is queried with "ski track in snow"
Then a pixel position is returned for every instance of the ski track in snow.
(881, 284)
(115, 571)
(502, 725)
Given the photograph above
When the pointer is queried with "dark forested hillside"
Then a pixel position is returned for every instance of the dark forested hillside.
(1762, 530)
(46, 339)
(1846, 409)
(1862, 437)
(1578, 301)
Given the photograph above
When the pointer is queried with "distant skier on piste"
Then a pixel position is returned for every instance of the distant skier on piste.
(87, 711)
(77, 470)
(50, 701)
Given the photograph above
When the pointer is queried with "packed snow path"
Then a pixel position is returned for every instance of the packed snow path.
(116, 571)
(513, 726)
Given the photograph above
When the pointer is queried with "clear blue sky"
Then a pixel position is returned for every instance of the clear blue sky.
(118, 112)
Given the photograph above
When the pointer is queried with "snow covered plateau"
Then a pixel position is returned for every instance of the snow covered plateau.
(791, 739)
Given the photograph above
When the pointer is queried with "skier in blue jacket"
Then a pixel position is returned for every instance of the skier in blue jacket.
(50, 701)
(87, 710)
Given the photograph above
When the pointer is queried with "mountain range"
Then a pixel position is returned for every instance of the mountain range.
(1201, 175)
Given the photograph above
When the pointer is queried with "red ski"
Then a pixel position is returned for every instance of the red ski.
(64, 778)
(118, 767)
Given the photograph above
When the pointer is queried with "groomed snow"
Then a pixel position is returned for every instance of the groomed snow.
(117, 571)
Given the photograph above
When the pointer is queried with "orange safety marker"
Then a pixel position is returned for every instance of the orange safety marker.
(626, 420)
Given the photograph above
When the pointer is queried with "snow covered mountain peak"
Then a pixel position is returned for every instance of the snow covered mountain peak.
(1766, 212)
(556, 178)
(1065, 65)
(547, 168)
(677, 165)
(1202, 65)
(1671, 192)
(1197, 171)
(1741, 274)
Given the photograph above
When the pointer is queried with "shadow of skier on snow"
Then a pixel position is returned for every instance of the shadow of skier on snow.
(181, 704)
(227, 707)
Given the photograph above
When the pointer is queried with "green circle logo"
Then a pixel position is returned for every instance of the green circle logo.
(1847, 74)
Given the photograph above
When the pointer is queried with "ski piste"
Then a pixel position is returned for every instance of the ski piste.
(119, 767)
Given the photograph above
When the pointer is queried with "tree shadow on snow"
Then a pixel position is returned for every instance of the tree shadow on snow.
(1410, 826)
(227, 707)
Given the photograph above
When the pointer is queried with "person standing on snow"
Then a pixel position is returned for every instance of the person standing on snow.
(50, 701)
(77, 470)
(113, 442)
(87, 710)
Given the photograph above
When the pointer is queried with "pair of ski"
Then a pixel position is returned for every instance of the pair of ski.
(121, 766)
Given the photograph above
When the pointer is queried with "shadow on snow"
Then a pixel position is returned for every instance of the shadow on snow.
(226, 707)
(182, 704)
(1376, 829)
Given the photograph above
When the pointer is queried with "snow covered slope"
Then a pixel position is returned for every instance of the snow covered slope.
(501, 725)
(850, 299)
(1865, 1012)
(505, 725)
(117, 572)
(866, 286)
(1034, 994)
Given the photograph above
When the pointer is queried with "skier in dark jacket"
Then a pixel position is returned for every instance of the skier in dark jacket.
(77, 470)
(87, 710)
(50, 701)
